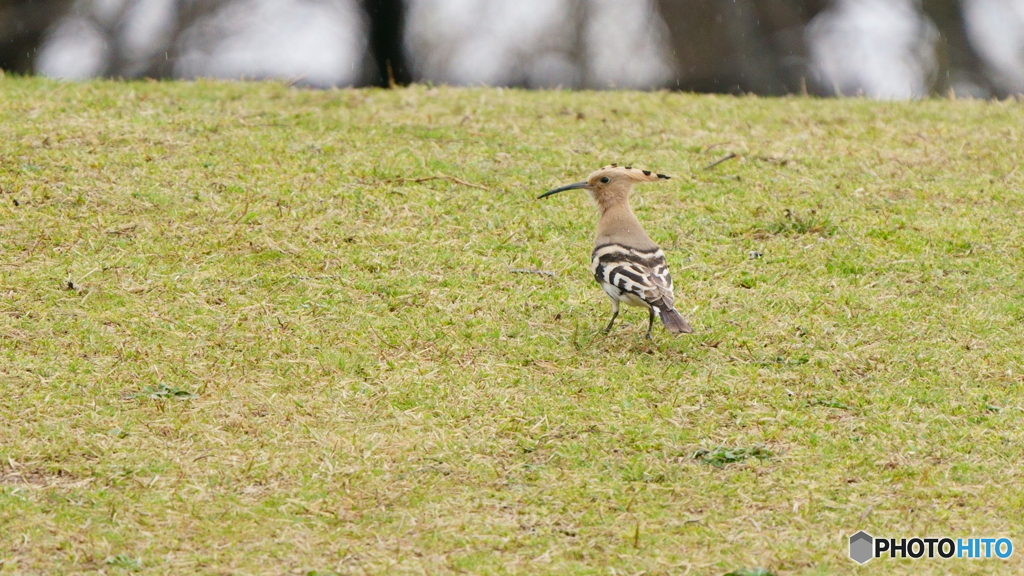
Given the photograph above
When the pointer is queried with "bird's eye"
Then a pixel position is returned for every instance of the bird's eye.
(604, 180)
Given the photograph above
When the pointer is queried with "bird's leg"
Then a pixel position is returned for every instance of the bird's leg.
(650, 323)
(615, 314)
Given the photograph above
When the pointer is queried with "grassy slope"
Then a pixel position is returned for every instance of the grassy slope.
(376, 390)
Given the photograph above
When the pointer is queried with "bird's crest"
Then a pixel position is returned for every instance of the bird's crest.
(635, 174)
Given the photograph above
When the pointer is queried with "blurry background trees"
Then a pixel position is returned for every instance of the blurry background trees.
(880, 48)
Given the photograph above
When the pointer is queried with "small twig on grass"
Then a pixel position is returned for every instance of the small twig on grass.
(866, 512)
(531, 271)
(728, 156)
(711, 147)
(329, 277)
(441, 177)
(382, 340)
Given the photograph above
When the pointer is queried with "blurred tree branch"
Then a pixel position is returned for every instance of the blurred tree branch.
(958, 61)
(386, 35)
(187, 12)
(23, 25)
(740, 45)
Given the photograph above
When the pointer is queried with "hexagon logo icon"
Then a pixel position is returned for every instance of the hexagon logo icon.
(861, 547)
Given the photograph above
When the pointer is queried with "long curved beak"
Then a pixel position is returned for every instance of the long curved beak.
(576, 186)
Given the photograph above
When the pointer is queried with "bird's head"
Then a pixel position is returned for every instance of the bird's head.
(610, 184)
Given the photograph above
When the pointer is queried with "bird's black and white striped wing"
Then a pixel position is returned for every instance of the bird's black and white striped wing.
(637, 272)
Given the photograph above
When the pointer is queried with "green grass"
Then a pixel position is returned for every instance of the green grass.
(242, 331)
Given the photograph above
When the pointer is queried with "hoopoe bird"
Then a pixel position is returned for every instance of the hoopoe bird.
(627, 264)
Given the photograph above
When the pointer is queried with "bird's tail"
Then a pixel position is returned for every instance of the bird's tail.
(674, 322)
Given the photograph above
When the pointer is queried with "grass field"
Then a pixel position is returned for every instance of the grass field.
(253, 329)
